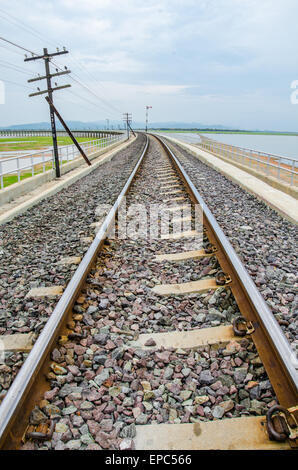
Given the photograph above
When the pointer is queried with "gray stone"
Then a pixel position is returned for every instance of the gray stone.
(201, 317)
(92, 309)
(218, 412)
(206, 377)
(142, 419)
(169, 371)
(87, 439)
(100, 378)
(100, 338)
(128, 401)
(100, 359)
(103, 304)
(37, 416)
(69, 410)
(186, 371)
(127, 444)
(74, 444)
(117, 353)
(129, 431)
(240, 374)
(214, 314)
(67, 389)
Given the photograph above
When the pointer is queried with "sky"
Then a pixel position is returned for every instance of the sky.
(228, 62)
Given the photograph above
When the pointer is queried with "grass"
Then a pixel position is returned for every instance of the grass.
(11, 179)
(35, 142)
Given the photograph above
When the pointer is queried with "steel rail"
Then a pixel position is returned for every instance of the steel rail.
(20, 398)
(273, 347)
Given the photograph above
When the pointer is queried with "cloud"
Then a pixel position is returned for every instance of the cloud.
(178, 54)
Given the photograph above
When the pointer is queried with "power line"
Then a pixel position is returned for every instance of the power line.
(21, 69)
(17, 45)
(22, 25)
(77, 80)
(11, 50)
(37, 34)
(88, 89)
(56, 65)
(14, 83)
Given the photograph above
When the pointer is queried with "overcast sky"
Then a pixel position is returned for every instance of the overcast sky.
(228, 62)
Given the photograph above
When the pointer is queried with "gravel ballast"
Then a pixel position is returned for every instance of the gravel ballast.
(101, 387)
(33, 244)
(265, 242)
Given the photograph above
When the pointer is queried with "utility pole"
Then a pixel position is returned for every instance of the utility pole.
(108, 124)
(127, 119)
(47, 57)
(147, 107)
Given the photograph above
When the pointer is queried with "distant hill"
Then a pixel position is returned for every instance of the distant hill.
(116, 125)
(79, 125)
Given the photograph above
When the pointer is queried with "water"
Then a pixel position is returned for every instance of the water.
(283, 145)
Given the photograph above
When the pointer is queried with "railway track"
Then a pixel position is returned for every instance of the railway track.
(157, 342)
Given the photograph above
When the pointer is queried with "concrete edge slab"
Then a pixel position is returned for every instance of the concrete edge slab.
(176, 236)
(187, 339)
(40, 292)
(191, 287)
(20, 342)
(245, 433)
(184, 255)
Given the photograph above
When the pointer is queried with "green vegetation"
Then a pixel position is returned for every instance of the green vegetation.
(13, 178)
(35, 142)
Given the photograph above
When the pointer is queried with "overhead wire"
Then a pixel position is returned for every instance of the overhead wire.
(40, 37)
(18, 84)
(76, 78)
(21, 69)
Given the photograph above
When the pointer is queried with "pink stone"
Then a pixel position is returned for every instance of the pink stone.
(79, 350)
(150, 342)
(200, 410)
(51, 394)
(93, 447)
(238, 361)
(163, 356)
(110, 408)
(214, 366)
(216, 386)
(93, 426)
(97, 415)
(74, 370)
(102, 439)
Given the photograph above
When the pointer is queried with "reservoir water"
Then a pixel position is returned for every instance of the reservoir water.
(278, 144)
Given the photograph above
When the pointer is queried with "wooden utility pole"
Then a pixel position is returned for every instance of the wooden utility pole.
(46, 57)
(68, 131)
